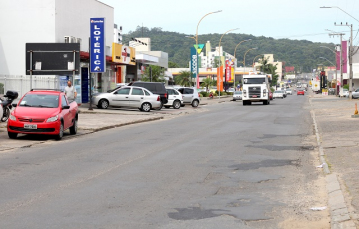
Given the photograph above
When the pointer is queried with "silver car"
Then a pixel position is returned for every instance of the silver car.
(128, 96)
(355, 94)
(175, 99)
(190, 96)
(237, 95)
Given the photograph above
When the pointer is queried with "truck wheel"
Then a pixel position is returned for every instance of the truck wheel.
(244, 103)
(73, 128)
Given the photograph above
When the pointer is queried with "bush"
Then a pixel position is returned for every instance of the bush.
(346, 86)
(204, 94)
(215, 94)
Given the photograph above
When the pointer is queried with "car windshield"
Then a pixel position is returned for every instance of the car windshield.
(238, 92)
(254, 80)
(40, 100)
(109, 91)
(278, 92)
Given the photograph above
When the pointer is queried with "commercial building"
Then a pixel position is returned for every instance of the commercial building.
(270, 60)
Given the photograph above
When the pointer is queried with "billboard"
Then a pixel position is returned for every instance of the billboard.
(52, 58)
(193, 62)
(123, 54)
(97, 45)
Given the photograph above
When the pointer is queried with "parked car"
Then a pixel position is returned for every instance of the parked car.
(289, 91)
(231, 89)
(128, 96)
(300, 91)
(175, 99)
(355, 94)
(190, 96)
(157, 88)
(345, 93)
(278, 94)
(237, 95)
(43, 112)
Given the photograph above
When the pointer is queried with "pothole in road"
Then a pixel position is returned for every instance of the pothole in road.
(281, 148)
(193, 213)
(264, 164)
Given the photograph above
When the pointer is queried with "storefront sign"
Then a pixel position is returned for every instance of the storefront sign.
(97, 45)
(193, 62)
(228, 70)
(123, 54)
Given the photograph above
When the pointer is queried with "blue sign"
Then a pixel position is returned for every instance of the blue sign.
(193, 62)
(97, 45)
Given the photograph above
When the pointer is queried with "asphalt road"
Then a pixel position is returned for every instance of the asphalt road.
(233, 166)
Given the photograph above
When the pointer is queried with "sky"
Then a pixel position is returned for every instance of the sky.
(299, 19)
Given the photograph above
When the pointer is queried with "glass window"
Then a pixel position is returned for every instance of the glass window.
(188, 91)
(170, 92)
(63, 101)
(175, 92)
(136, 91)
(123, 91)
(147, 93)
(180, 90)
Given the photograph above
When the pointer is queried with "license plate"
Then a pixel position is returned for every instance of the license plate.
(30, 126)
(254, 96)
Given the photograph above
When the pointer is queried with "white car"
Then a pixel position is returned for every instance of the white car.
(128, 96)
(278, 94)
(345, 93)
(175, 99)
(288, 91)
(237, 95)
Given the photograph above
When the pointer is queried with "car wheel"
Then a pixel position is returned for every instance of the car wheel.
(103, 104)
(73, 128)
(176, 104)
(61, 132)
(195, 103)
(12, 135)
(146, 107)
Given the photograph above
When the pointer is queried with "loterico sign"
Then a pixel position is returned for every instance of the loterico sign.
(97, 45)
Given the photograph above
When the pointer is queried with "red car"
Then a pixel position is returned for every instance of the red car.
(43, 112)
(300, 92)
(270, 95)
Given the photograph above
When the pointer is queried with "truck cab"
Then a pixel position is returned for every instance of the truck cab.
(256, 88)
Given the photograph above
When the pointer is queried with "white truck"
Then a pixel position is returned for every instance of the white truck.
(316, 85)
(256, 88)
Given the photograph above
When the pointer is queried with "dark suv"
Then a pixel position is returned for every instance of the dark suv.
(154, 87)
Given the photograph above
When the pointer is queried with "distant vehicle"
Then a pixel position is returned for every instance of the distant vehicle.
(355, 94)
(299, 85)
(288, 91)
(175, 99)
(190, 96)
(278, 94)
(345, 93)
(43, 112)
(316, 86)
(237, 95)
(230, 89)
(256, 88)
(128, 96)
(270, 95)
(300, 91)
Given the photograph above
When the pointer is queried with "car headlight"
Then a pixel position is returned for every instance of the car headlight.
(52, 119)
(12, 117)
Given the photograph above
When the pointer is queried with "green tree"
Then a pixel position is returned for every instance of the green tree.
(207, 82)
(172, 64)
(184, 78)
(158, 74)
(269, 69)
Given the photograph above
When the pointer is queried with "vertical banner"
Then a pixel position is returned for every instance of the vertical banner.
(228, 70)
(97, 45)
(337, 58)
(193, 62)
(232, 75)
(345, 56)
(220, 78)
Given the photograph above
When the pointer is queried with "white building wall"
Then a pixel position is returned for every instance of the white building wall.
(73, 19)
(22, 22)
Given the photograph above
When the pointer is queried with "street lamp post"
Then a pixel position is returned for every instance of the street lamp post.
(244, 58)
(220, 62)
(235, 50)
(255, 59)
(197, 76)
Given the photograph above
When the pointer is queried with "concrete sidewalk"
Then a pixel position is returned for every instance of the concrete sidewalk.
(338, 136)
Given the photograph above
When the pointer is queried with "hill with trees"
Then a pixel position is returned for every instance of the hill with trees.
(302, 54)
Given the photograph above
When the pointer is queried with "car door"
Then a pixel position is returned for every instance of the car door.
(120, 98)
(65, 113)
(170, 93)
(187, 95)
(136, 97)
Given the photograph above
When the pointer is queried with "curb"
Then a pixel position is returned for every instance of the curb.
(339, 214)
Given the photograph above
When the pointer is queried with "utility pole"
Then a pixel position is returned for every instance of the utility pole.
(350, 58)
(341, 59)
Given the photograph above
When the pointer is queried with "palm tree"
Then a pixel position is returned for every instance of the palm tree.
(207, 82)
(184, 78)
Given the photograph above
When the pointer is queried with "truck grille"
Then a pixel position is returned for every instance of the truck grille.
(254, 92)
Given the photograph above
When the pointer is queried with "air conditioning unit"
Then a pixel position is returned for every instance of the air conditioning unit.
(78, 40)
(73, 40)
